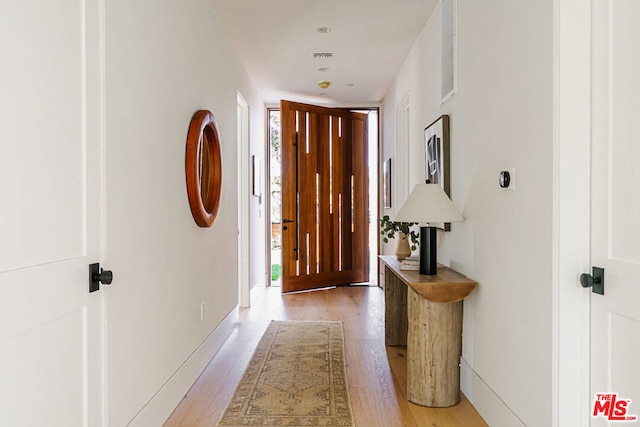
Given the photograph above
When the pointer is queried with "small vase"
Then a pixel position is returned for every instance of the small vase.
(403, 249)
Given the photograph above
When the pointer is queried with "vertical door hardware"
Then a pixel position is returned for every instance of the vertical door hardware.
(286, 221)
(594, 281)
(97, 275)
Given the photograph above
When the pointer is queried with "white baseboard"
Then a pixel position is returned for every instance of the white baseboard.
(162, 404)
(492, 409)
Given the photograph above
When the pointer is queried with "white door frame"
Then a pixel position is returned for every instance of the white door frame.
(97, 210)
(571, 211)
(244, 288)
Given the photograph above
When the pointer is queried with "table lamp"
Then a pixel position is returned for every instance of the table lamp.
(428, 203)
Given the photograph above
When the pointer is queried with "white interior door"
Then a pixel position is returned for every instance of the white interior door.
(50, 342)
(615, 316)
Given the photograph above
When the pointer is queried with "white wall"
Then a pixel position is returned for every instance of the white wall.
(164, 61)
(501, 118)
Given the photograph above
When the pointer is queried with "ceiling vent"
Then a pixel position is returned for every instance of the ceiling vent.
(322, 55)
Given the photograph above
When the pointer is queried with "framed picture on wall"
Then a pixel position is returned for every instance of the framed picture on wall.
(386, 183)
(436, 144)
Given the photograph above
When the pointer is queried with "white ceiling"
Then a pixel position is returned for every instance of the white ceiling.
(276, 39)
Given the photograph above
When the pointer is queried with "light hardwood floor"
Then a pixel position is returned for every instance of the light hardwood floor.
(376, 374)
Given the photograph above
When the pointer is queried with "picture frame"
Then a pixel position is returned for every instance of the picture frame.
(386, 184)
(257, 186)
(437, 152)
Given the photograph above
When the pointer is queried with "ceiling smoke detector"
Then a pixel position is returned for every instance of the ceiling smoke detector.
(322, 55)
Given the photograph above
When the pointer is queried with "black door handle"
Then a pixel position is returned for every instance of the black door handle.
(594, 281)
(98, 275)
(286, 221)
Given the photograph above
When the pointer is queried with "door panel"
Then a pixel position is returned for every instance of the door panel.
(324, 196)
(41, 84)
(615, 318)
(47, 352)
(360, 199)
(50, 341)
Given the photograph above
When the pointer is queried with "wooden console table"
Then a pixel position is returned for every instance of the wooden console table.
(425, 314)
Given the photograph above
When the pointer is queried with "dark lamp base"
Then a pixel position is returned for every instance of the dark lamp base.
(428, 256)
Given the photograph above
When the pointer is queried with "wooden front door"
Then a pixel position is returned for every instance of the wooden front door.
(324, 197)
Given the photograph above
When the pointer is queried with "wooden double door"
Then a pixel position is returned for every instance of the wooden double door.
(325, 199)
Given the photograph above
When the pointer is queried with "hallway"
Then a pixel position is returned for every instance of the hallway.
(377, 377)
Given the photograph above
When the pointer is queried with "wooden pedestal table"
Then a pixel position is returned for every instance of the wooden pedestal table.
(425, 314)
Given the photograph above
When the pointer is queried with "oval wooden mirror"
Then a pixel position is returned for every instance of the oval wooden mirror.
(203, 167)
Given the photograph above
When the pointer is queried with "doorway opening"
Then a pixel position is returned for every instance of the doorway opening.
(274, 250)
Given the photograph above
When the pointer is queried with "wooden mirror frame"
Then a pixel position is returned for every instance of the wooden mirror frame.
(203, 168)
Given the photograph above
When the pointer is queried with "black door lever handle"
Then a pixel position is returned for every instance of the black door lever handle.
(98, 275)
(594, 281)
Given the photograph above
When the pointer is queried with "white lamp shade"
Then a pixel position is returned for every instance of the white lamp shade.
(428, 203)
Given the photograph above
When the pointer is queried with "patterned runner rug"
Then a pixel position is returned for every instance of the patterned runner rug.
(295, 378)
